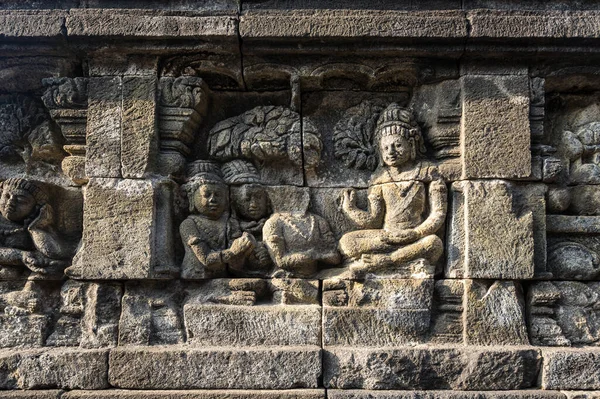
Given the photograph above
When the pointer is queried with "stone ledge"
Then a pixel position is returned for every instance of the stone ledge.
(198, 394)
(30, 24)
(363, 394)
(444, 367)
(54, 368)
(140, 24)
(534, 24)
(215, 368)
(352, 24)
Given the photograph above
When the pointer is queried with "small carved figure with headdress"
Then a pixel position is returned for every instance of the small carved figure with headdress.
(208, 233)
(27, 231)
(251, 207)
(403, 214)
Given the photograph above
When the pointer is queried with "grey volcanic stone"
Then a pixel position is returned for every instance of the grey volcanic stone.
(458, 368)
(352, 23)
(571, 369)
(495, 144)
(203, 394)
(365, 394)
(225, 325)
(215, 368)
(54, 368)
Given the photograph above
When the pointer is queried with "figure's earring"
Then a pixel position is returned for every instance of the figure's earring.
(413, 149)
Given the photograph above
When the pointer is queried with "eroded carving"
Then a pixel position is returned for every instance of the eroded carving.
(31, 237)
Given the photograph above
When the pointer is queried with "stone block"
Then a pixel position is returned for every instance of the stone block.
(54, 394)
(457, 368)
(533, 24)
(228, 325)
(54, 368)
(127, 230)
(103, 130)
(88, 315)
(25, 330)
(31, 23)
(495, 144)
(151, 314)
(447, 316)
(381, 312)
(494, 313)
(152, 24)
(491, 232)
(215, 368)
(367, 394)
(571, 369)
(564, 313)
(197, 394)
(352, 23)
(139, 139)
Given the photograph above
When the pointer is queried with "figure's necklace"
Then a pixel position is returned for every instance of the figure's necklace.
(399, 184)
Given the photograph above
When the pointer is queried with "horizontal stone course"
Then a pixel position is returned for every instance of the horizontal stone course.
(178, 367)
(457, 368)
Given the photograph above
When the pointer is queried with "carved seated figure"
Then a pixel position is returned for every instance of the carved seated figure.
(206, 234)
(251, 208)
(298, 240)
(398, 229)
(28, 237)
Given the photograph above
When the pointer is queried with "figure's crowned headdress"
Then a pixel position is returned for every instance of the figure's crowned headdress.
(199, 173)
(32, 187)
(396, 120)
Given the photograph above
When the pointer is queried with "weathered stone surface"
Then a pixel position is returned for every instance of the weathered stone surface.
(32, 394)
(249, 326)
(563, 313)
(54, 368)
(495, 144)
(120, 215)
(491, 232)
(139, 24)
(447, 318)
(367, 394)
(459, 368)
(88, 315)
(151, 314)
(104, 125)
(582, 394)
(345, 23)
(494, 313)
(198, 394)
(38, 23)
(376, 312)
(139, 139)
(571, 369)
(533, 24)
(215, 368)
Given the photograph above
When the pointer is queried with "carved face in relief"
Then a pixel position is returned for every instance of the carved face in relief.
(250, 201)
(16, 204)
(211, 200)
(395, 150)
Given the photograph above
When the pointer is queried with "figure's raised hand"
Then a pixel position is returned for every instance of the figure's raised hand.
(243, 244)
(348, 199)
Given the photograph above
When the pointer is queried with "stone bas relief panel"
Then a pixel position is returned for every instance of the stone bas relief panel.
(572, 206)
(243, 222)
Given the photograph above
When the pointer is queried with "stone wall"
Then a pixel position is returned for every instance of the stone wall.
(299, 200)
